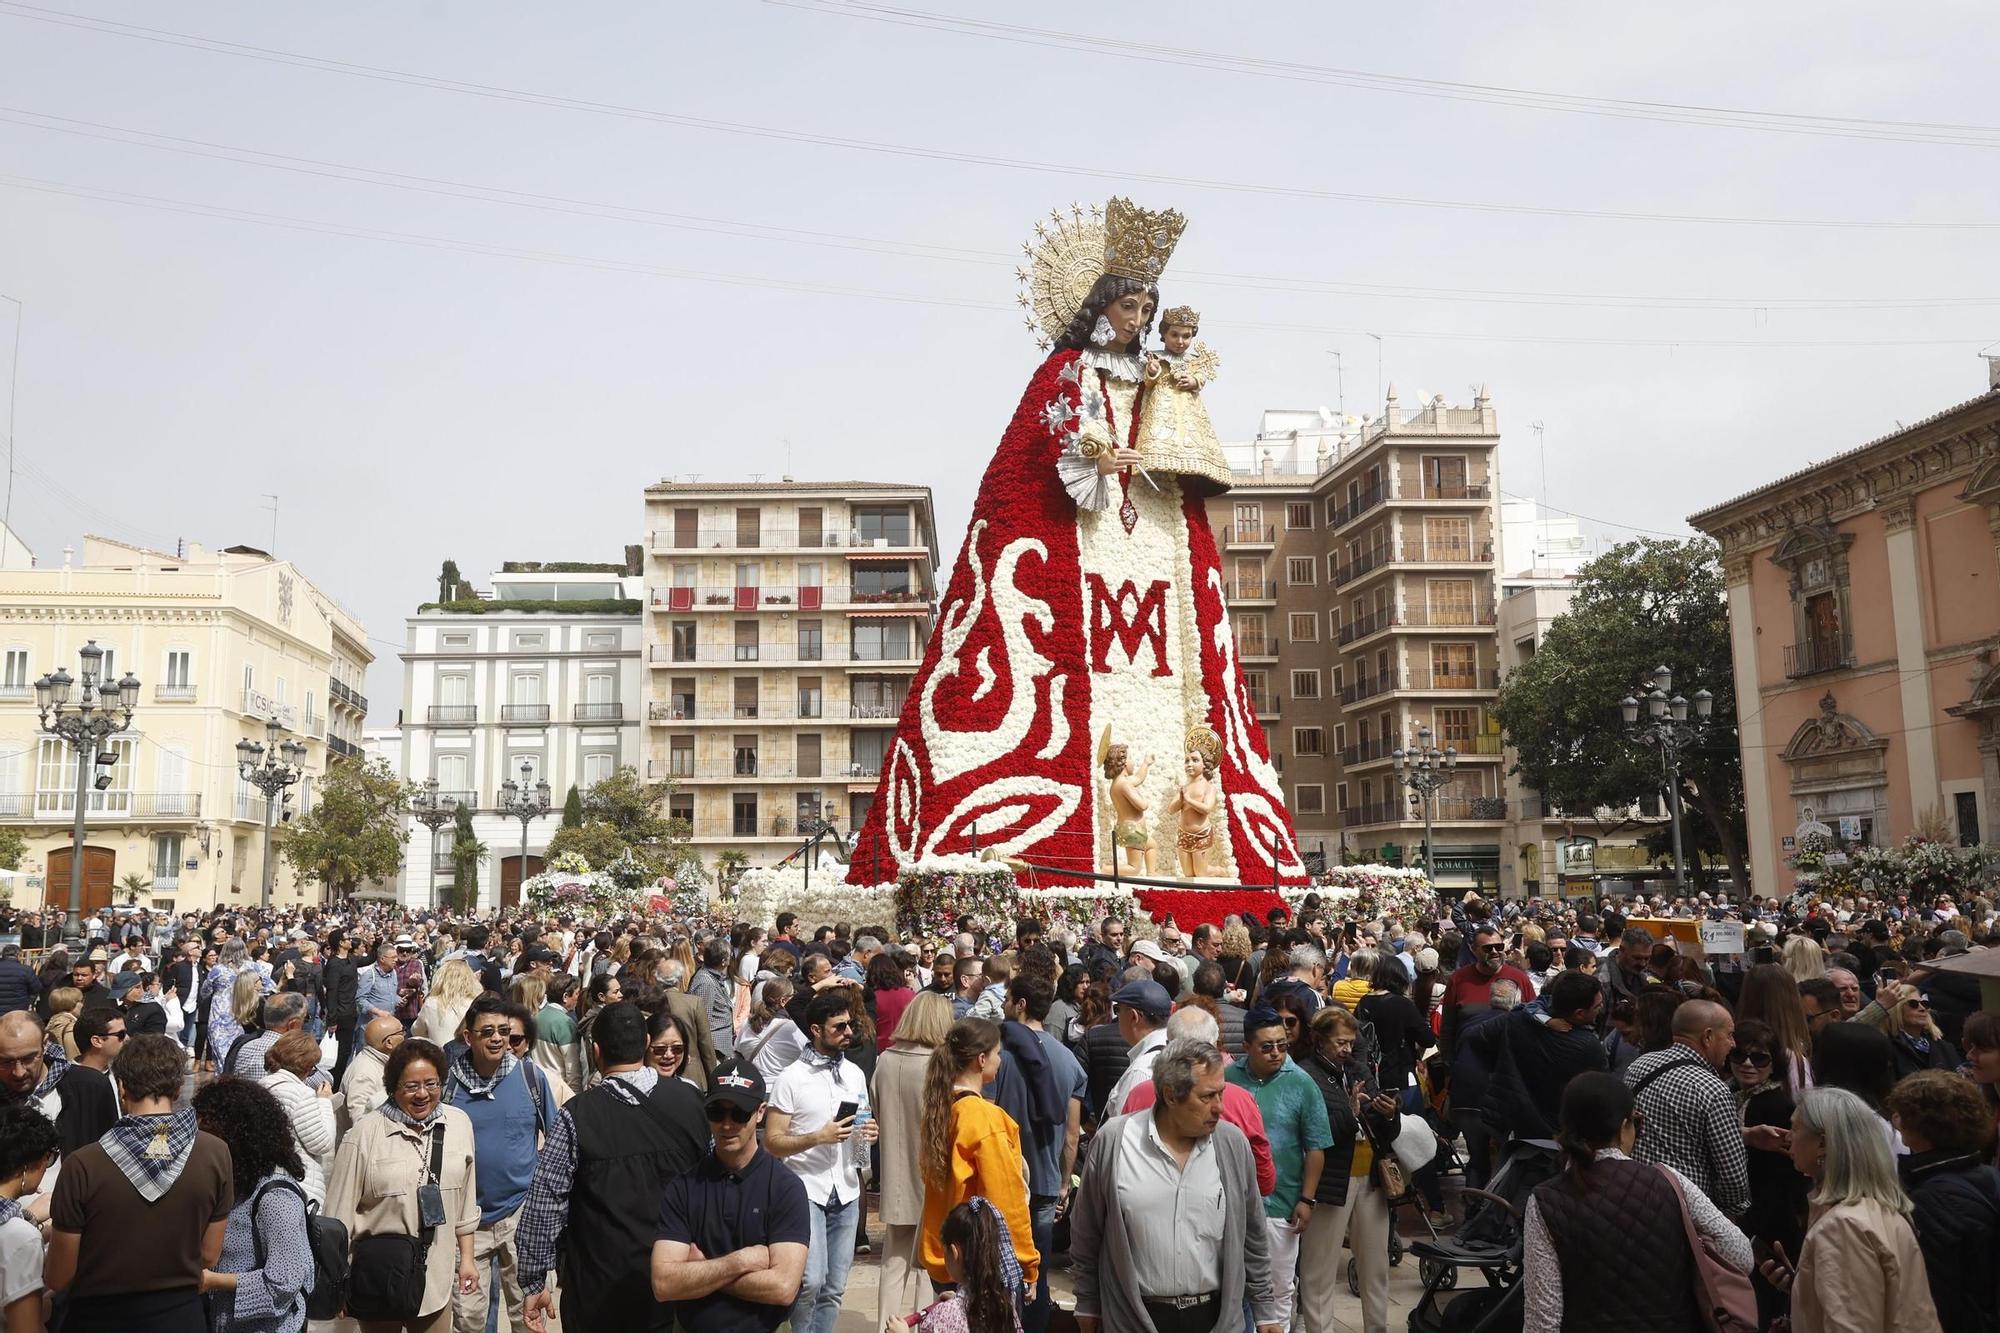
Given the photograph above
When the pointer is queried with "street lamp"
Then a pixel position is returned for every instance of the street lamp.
(1669, 729)
(103, 709)
(433, 811)
(526, 803)
(1424, 770)
(824, 828)
(274, 769)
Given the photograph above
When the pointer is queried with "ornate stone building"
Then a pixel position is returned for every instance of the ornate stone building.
(1864, 604)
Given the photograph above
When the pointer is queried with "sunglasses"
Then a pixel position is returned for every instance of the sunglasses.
(1917, 1004)
(721, 1111)
(1493, 948)
(1755, 1059)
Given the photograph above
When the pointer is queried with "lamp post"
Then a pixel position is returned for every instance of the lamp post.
(824, 828)
(1668, 728)
(433, 812)
(262, 767)
(104, 708)
(1424, 770)
(527, 803)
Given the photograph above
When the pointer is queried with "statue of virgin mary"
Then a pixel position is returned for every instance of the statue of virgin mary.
(1084, 611)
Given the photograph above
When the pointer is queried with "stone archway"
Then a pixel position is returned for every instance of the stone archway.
(1838, 764)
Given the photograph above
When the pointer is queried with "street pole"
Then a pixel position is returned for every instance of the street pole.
(1425, 770)
(103, 709)
(273, 769)
(1674, 813)
(1668, 727)
(76, 836)
(270, 836)
(526, 802)
(428, 809)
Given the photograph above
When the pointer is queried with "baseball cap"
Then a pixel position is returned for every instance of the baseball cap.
(1148, 949)
(1148, 997)
(540, 955)
(737, 1082)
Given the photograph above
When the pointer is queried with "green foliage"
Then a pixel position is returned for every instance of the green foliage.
(585, 606)
(466, 851)
(134, 884)
(450, 585)
(562, 567)
(572, 815)
(13, 845)
(353, 833)
(729, 864)
(1643, 604)
(620, 821)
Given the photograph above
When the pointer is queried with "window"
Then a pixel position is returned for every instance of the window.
(444, 641)
(601, 640)
(180, 669)
(1444, 477)
(808, 756)
(597, 766)
(745, 756)
(1447, 539)
(687, 528)
(680, 756)
(746, 640)
(1337, 679)
(55, 777)
(1965, 810)
(454, 689)
(516, 761)
(1455, 727)
(166, 861)
(812, 530)
(875, 699)
(743, 697)
(743, 814)
(1309, 798)
(811, 573)
(1305, 684)
(454, 773)
(881, 640)
(170, 776)
(881, 527)
(680, 806)
(1299, 570)
(749, 527)
(812, 641)
(534, 641)
(869, 749)
(1340, 734)
(683, 640)
(1449, 601)
(1298, 514)
(1453, 667)
(811, 699)
(680, 696)
(872, 580)
(249, 678)
(17, 677)
(1249, 521)
(525, 687)
(600, 687)
(1331, 510)
(1304, 627)
(808, 811)
(1340, 796)
(1308, 740)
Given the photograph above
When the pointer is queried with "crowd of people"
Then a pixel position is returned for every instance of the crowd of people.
(240, 1121)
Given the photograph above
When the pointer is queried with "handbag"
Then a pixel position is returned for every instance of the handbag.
(386, 1276)
(1727, 1303)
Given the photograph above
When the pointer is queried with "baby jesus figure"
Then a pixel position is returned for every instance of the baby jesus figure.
(1127, 774)
(1175, 434)
(1195, 803)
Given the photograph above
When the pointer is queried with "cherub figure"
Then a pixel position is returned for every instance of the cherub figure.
(1196, 801)
(1175, 434)
(1129, 833)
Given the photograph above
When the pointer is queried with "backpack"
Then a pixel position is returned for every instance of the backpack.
(326, 1293)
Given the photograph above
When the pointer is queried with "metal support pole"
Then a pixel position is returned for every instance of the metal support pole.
(1674, 810)
(270, 831)
(85, 763)
(1430, 836)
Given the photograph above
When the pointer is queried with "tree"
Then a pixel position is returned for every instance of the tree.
(354, 833)
(13, 845)
(620, 817)
(448, 582)
(1642, 605)
(572, 815)
(134, 884)
(466, 852)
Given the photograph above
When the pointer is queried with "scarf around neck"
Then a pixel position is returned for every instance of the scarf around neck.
(813, 1059)
(466, 1075)
(56, 1064)
(408, 1121)
(151, 1150)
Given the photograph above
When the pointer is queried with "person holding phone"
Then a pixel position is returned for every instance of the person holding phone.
(814, 1108)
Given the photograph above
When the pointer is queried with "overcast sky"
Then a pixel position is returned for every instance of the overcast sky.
(667, 263)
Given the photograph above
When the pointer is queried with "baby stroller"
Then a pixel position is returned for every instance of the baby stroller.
(1491, 1241)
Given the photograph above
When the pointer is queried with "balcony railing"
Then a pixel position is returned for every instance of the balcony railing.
(454, 799)
(173, 694)
(1423, 677)
(863, 768)
(1264, 705)
(1368, 687)
(1256, 645)
(344, 748)
(61, 805)
(1251, 534)
(1251, 590)
(764, 537)
(1377, 812)
(1367, 751)
(353, 698)
(523, 712)
(1449, 553)
(597, 712)
(1367, 562)
(1369, 624)
(1481, 808)
(1364, 502)
(1809, 658)
(16, 692)
(1457, 490)
(459, 713)
(315, 723)
(1446, 617)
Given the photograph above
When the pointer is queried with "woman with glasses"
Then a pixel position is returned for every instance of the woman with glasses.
(379, 1184)
(1860, 1266)
(1915, 1043)
(1771, 996)
(525, 1037)
(667, 1046)
(1764, 1102)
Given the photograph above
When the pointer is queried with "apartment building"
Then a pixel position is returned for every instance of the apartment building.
(1363, 585)
(784, 622)
(539, 681)
(223, 642)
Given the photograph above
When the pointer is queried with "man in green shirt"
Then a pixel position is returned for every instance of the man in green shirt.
(1296, 1124)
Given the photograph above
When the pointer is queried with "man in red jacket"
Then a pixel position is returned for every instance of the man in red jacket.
(1470, 988)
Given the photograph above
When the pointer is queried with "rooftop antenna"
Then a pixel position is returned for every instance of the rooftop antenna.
(1541, 507)
(1340, 384)
(1378, 365)
(273, 507)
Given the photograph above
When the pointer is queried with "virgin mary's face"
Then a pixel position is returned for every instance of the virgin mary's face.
(1128, 315)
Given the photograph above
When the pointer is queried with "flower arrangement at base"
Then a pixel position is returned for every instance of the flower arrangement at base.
(933, 893)
(1078, 910)
(1372, 892)
(821, 899)
(569, 885)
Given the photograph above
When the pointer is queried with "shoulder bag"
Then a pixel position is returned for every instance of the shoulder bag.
(386, 1277)
(1723, 1295)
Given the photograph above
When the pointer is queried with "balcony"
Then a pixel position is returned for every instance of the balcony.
(1450, 553)
(875, 712)
(1457, 490)
(343, 749)
(1832, 652)
(1367, 751)
(1251, 590)
(341, 693)
(1366, 563)
(1473, 809)
(165, 694)
(729, 537)
(1263, 704)
(315, 723)
(452, 714)
(1432, 677)
(1378, 812)
(1362, 503)
(522, 712)
(864, 770)
(1446, 617)
(1256, 645)
(597, 712)
(1250, 534)
(1367, 687)
(1372, 623)
(60, 806)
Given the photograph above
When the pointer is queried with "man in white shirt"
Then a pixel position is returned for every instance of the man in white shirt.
(806, 1129)
(1142, 1009)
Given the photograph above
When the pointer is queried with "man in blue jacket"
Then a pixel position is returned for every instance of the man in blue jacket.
(507, 1100)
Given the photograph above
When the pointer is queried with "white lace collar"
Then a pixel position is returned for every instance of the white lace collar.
(1119, 365)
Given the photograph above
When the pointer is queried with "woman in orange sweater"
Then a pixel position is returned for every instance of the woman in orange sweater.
(971, 1147)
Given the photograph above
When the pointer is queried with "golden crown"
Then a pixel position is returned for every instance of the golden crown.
(1068, 254)
(1202, 740)
(1180, 317)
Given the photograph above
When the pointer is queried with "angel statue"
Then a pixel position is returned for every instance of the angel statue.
(1088, 593)
(1195, 802)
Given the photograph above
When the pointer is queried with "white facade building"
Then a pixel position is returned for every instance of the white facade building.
(519, 684)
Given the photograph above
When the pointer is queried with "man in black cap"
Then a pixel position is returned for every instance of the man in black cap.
(1141, 1009)
(733, 1231)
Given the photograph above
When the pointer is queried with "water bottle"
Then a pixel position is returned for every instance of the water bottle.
(856, 1145)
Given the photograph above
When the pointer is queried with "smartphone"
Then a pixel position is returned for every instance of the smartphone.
(846, 1110)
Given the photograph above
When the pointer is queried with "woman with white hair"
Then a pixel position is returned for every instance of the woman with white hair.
(1804, 959)
(1860, 1267)
(1915, 1042)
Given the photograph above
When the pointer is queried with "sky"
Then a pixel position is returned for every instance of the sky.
(459, 281)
